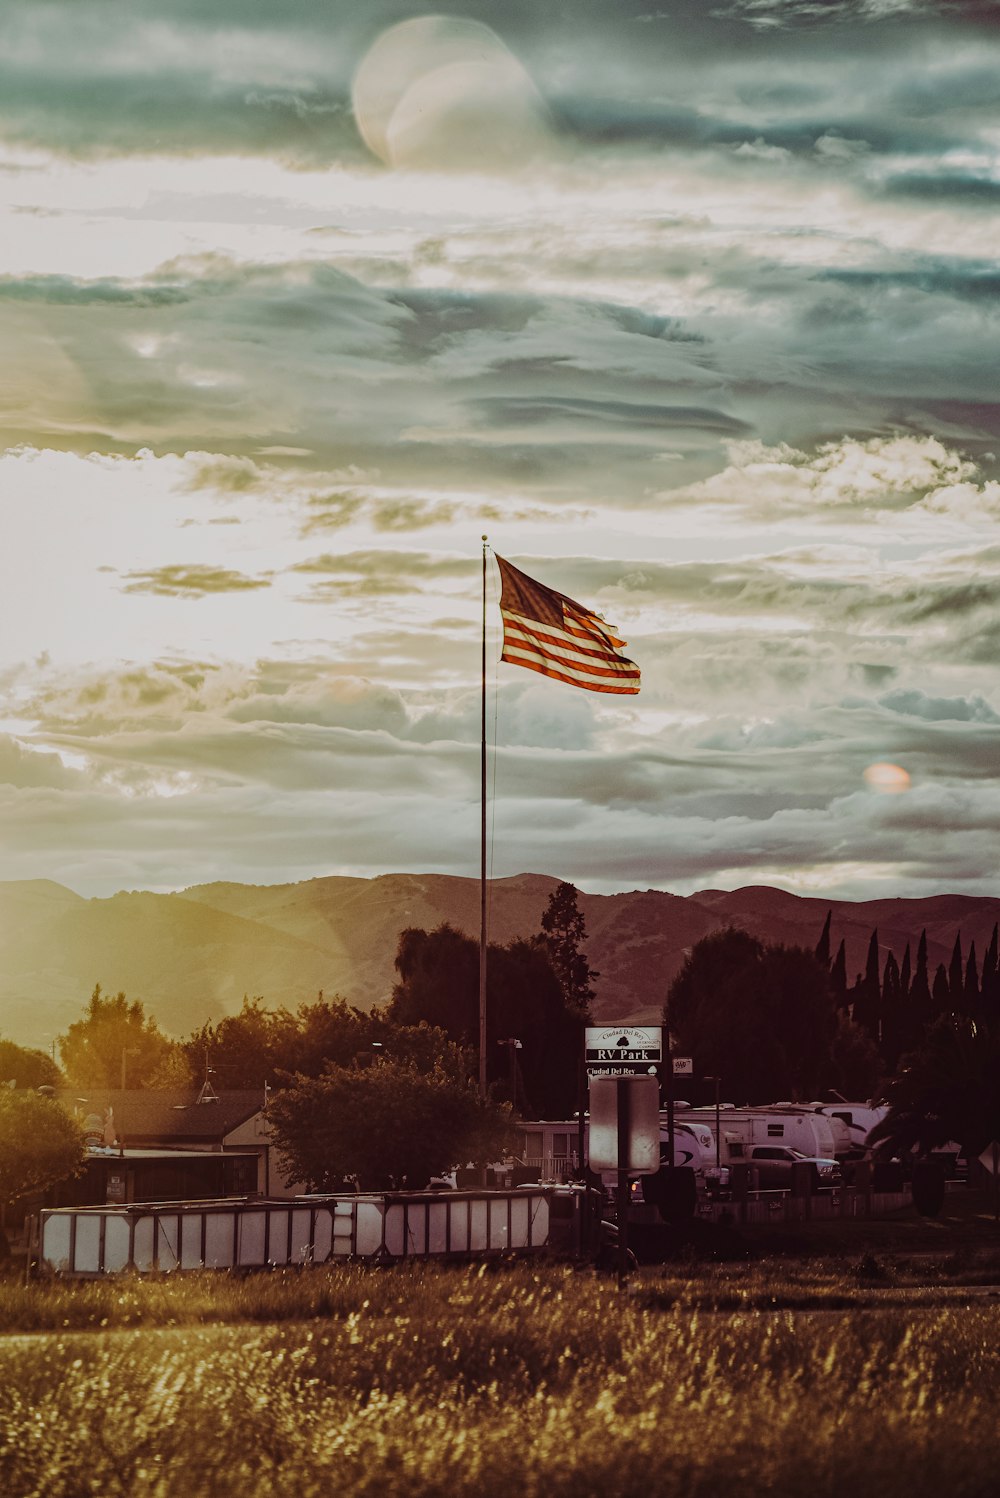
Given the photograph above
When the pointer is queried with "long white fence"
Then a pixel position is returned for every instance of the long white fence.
(254, 1234)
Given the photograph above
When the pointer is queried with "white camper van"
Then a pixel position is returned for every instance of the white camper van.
(741, 1128)
(851, 1124)
(551, 1146)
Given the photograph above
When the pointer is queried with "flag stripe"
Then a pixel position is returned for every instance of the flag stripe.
(558, 641)
(546, 669)
(547, 632)
(521, 640)
(524, 656)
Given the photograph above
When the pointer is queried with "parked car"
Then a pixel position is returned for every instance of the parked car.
(774, 1164)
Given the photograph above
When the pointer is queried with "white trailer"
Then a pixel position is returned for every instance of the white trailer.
(551, 1146)
(740, 1128)
(234, 1234)
(851, 1124)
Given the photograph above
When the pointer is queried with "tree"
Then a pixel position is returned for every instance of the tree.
(564, 929)
(921, 1004)
(956, 976)
(415, 1124)
(27, 1068)
(244, 1050)
(970, 992)
(762, 1018)
(856, 1066)
(114, 1044)
(866, 1005)
(40, 1144)
(822, 953)
(905, 976)
(990, 979)
(439, 986)
(946, 1090)
(940, 992)
(838, 977)
(893, 1018)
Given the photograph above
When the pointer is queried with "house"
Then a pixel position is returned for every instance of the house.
(118, 1175)
(182, 1119)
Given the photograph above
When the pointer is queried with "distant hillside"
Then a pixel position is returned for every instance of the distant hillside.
(192, 956)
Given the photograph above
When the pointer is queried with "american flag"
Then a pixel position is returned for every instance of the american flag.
(547, 632)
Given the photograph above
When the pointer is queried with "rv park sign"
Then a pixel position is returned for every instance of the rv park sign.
(626, 1051)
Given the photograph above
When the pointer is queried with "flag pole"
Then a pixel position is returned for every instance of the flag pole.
(482, 858)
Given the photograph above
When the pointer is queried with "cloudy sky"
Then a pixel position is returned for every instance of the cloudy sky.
(692, 308)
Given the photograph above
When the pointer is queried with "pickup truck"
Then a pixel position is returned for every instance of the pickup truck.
(773, 1163)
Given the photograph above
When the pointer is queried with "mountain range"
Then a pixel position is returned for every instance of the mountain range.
(193, 955)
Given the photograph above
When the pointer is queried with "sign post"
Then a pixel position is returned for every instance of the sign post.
(624, 1137)
(624, 1128)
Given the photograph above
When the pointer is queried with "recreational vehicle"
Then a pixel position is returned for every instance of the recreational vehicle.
(742, 1128)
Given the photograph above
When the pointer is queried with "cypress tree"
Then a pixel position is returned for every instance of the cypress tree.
(823, 945)
(920, 992)
(891, 1037)
(905, 976)
(941, 991)
(910, 1022)
(867, 993)
(838, 977)
(956, 975)
(970, 993)
(989, 983)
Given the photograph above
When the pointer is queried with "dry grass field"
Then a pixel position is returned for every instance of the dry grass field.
(813, 1379)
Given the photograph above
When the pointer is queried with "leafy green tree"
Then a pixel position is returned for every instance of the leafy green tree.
(244, 1050)
(439, 981)
(439, 985)
(946, 1090)
(856, 1066)
(115, 1039)
(40, 1144)
(388, 1126)
(564, 930)
(762, 1018)
(261, 1045)
(27, 1068)
(173, 1070)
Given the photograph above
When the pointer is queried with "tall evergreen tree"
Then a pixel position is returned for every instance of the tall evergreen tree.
(920, 988)
(989, 983)
(911, 1022)
(867, 993)
(905, 976)
(838, 977)
(956, 976)
(970, 992)
(891, 1039)
(564, 930)
(941, 992)
(823, 945)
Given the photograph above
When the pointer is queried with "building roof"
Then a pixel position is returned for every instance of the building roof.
(164, 1114)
